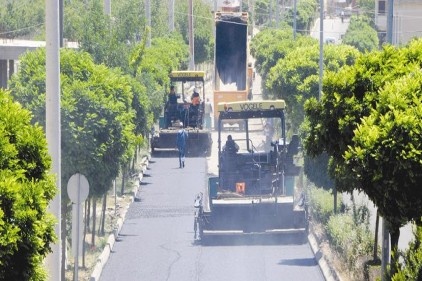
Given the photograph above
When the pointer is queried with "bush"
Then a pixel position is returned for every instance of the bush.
(411, 269)
(349, 235)
(26, 188)
(322, 204)
(353, 241)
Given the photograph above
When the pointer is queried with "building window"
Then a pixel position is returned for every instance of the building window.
(381, 7)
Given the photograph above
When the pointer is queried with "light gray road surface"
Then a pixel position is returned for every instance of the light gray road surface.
(156, 241)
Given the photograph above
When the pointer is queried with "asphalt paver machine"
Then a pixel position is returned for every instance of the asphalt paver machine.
(254, 191)
(185, 113)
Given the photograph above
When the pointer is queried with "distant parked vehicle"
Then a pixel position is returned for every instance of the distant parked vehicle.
(329, 40)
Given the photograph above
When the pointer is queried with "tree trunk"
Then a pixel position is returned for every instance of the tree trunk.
(123, 179)
(103, 215)
(352, 198)
(88, 215)
(394, 255)
(85, 229)
(377, 220)
(134, 160)
(94, 216)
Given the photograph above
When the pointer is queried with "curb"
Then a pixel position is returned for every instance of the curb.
(103, 257)
(328, 271)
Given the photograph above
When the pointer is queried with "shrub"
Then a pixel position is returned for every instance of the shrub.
(26, 187)
(411, 269)
(322, 204)
(353, 241)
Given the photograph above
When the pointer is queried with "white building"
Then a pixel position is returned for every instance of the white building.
(407, 19)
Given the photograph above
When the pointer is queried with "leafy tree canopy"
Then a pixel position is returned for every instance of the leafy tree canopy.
(21, 18)
(361, 35)
(295, 78)
(368, 121)
(153, 65)
(305, 13)
(203, 22)
(26, 188)
(271, 45)
(97, 114)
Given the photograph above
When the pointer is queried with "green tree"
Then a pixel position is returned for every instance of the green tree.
(361, 35)
(270, 46)
(152, 66)
(203, 21)
(305, 13)
(97, 118)
(296, 77)
(386, 153)
(261, 11)
(21, 18)
(366, 7)
(26, 188)
(364, 131)
(316, 171)
(411, 268)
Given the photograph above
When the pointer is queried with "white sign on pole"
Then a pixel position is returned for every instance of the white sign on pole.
(77, 229)
(78, 190)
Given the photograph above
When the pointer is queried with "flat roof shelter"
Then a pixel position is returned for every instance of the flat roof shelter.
(12, 49)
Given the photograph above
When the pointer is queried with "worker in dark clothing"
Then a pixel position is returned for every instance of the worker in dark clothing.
(182, 136)
(172, 97)
(170, 109)
(195, 98)
(231, 146)
(194, 109)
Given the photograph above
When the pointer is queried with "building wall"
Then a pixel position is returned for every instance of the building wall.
(407, 19)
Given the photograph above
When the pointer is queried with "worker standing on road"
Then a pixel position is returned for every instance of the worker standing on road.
(208, 112)
(182, 136)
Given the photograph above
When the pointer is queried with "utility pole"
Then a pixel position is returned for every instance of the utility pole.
(61, 8)
(271, 13)
(385, 251)
(294, 19)
(52, 128)
(277, 13)
(171, 15)
(191, 41)
(390, 21)
(252, 11)
(321, 45)
(148, 16)
(107, 7)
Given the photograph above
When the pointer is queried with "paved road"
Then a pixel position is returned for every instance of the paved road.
(333, 28)
(156, 240)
